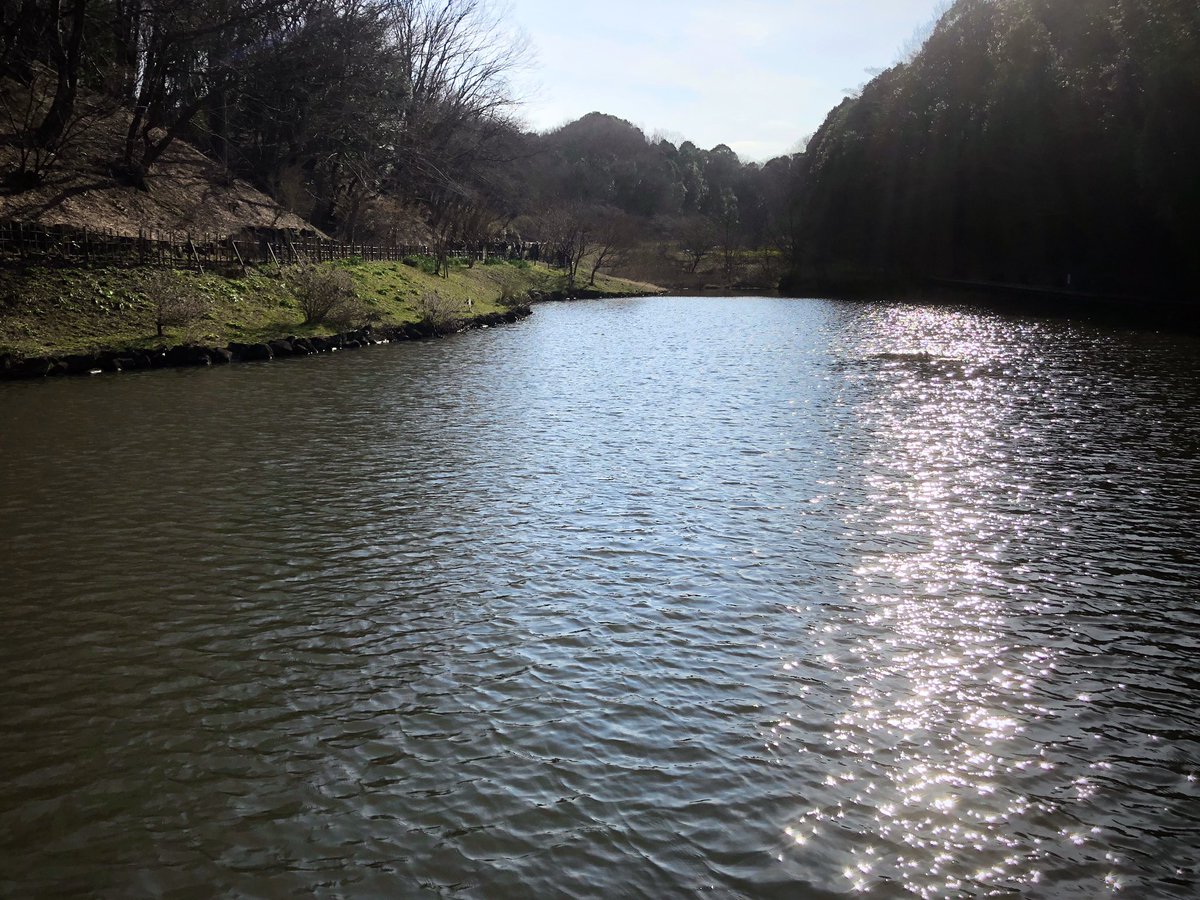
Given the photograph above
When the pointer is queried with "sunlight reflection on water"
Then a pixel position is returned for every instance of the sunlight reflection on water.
(939, 782)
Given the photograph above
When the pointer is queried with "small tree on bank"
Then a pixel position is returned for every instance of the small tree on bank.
(438, 312)
(697, 235)
(568, 232)
(176, 302)
(325, 294)
(615, 232)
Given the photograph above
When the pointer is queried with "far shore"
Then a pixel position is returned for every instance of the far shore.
(1035, 300)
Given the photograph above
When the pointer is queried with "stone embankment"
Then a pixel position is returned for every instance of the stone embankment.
(134, 359)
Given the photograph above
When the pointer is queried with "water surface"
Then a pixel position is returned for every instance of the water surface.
(753, 597)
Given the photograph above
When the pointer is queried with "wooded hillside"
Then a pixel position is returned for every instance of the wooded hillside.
(1037, 142)
(379, 121)
(1028, 141)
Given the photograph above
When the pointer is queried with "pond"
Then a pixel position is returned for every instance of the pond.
(755, 597)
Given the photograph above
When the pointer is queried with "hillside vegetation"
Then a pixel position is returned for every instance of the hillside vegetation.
(77, 186)
(389, 122)
(50, 311)
(1028, 141)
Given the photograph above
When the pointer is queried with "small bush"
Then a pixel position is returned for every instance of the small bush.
(510, 299)
(324, 294)
(438, 312)
(176, 302)
(353, 314)
(426, 264)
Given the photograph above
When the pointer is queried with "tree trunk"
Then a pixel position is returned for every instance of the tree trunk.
(66, 60)
(125, 28)
(21, 41)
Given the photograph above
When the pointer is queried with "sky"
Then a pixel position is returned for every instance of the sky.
(757, 75)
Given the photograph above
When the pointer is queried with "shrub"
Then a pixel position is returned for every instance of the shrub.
(323, 293)
(438, 312)
(510, 299)
(353, 314)
(176, 301)
(426, 264)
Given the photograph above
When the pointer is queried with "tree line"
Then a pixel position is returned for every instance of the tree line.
(1028, 141)
(601, 181)
(329, 105)
(376, 120)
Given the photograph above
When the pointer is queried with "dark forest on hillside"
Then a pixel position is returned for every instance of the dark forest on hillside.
(1031, 142)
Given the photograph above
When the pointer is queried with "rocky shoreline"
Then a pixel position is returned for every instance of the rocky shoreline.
(133, 359)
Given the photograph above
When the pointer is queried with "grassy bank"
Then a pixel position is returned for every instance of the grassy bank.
(50, 311)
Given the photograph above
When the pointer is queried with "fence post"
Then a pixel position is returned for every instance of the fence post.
(237, 253)
(195, 255)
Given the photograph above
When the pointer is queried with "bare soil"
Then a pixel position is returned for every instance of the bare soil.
(187, 192)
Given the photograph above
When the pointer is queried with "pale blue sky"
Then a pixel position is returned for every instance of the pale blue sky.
(758, 75)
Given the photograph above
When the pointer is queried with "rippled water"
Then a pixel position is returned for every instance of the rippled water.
(759, 598)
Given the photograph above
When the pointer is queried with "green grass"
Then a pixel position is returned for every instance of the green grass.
(47, 311)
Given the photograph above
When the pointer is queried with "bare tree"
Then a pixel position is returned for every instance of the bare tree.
(458, 222)
(175, 300)
(570, 237)
(697, 236)
(441, 314)
(43, 51)
(614, 232)
(323, 292)
(345, 103)
(184, 52)
(457, 58)
(23, 111)
(67, 57)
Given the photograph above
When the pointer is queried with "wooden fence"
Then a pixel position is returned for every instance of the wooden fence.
(181, 250)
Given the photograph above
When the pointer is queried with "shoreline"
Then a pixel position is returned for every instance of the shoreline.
(73, 321)
(1118, 310)
(179, 356)
(198, 355)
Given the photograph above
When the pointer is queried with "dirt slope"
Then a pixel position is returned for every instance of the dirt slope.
(187, 191)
